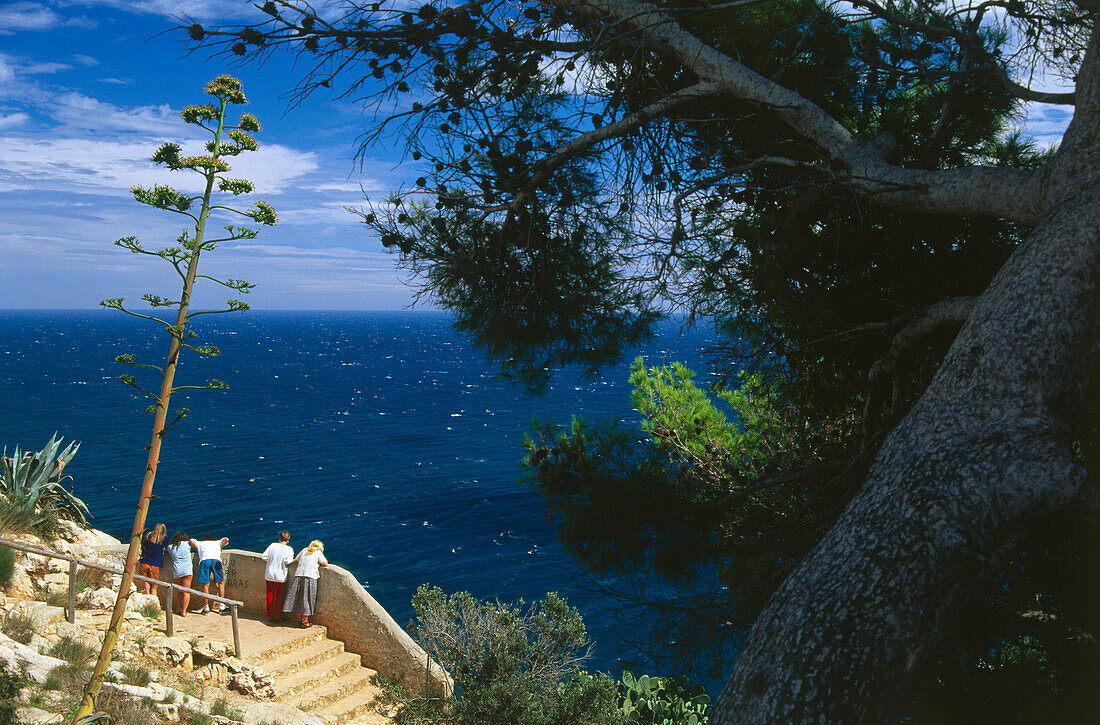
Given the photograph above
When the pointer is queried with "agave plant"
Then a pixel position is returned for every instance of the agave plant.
(33, 482)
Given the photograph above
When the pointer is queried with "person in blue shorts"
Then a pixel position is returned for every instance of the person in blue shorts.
(210, 567)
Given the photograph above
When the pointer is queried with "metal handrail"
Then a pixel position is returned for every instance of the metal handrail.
(70, 610)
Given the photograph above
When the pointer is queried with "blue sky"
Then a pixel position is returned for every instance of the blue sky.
(89, 88)
(87, 93)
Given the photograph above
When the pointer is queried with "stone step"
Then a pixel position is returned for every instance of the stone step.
(303, 639)
(291, 687)
(354, 710)
(304, 658)
(336, 690)
(40, 612)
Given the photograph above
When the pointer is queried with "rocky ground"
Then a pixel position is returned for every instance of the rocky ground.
(153, 678)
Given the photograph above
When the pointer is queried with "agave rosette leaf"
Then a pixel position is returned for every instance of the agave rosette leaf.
(33, 482)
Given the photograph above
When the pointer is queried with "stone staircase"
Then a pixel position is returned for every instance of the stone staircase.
(314, 673)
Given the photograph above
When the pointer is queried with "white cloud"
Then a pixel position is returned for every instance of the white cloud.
(85, 60)
(32, 16)
(275, 169)
(1045, 124)
(113, 166)
(7, 72)
(76, 111)
(355, 188)
(196, 9)
(11, 120)
(324, 213)
(298, 253)
(27, 16)
(74, 164)
(43, 68)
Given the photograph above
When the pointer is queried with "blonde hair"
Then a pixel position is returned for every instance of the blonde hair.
(157, 534)
(315, 545)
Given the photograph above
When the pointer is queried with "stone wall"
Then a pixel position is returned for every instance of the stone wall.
(348, 612)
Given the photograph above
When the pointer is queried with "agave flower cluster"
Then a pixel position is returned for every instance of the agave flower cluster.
(226, 141)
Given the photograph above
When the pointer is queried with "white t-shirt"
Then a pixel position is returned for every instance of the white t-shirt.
(277, 557)
(309, 565)
(209, 549)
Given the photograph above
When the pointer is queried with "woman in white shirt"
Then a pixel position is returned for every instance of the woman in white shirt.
(178, 554)
(278, 555)
(302, 594)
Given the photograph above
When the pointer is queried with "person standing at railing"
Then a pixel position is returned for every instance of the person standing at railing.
(277, 555)
(179, 556)
(152, 557)
(301, 597)
(210, 567)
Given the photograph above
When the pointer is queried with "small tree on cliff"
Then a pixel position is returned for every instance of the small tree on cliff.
(226, 141)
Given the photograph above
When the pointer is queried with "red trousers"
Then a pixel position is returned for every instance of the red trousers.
(274, 599)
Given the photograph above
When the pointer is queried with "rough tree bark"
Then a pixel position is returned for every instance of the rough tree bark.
(984, 449)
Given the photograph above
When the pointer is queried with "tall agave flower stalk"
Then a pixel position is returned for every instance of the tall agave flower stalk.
(227, 141)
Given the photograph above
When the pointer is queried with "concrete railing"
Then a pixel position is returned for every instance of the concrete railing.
(349, 613)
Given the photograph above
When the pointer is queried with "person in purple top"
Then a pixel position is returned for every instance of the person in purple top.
(152, 557)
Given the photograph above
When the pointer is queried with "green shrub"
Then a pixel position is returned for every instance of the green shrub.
(7, 565)
(126, 710)
(149, 611)
(73, 651)
(11, 682)
(509, 665)
(221, 707)
(19, 627)
(661, 701)
(193, 687)
(135, 674)
(13, 518)
(77, 657)
(57, 599)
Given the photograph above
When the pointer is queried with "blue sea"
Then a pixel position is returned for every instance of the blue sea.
(384, 434)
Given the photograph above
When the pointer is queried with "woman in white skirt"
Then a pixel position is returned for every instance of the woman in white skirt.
(302, 594)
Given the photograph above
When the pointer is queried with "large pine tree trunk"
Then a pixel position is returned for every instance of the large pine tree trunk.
(985, 449)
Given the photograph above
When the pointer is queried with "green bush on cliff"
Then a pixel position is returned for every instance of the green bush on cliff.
(11, 682)
(521, 666)
(7, 566)
(510, 664)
